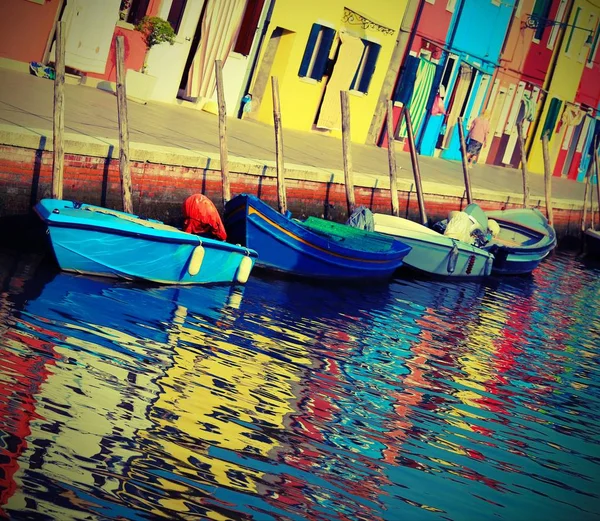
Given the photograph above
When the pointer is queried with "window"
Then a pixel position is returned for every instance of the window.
(176, 14)
(316, 54)
(366, 67)
(518, 11)
(541, 9)
(568, 47)
(451, 5)
(248, 27)
(594, 48)
(132, 11)
(559, 18)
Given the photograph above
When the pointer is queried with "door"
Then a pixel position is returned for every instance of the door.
(166, 62)
(89, 26)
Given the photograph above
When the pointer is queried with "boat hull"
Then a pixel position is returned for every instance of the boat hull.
(95, 241)
(288, 246)
(433, 253)
(525, 240)
(592, 243)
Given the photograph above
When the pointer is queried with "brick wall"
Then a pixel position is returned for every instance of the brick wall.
(159, 190)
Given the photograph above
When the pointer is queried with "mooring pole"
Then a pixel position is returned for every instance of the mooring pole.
(124, 169)
(597, 162)
(392, 159)
(523, 164)
(588, 176)
(347, 152)
(281, 198)
(465, 164)
(415, 165)
(222, 132)
(58, 119)
(547, 179)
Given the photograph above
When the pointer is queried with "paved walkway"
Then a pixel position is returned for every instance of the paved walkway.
(26, 104)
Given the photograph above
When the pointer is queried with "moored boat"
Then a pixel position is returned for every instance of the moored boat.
(433, 253)
(313, 248)
(525, 239)
(94, 240)
(592, 242)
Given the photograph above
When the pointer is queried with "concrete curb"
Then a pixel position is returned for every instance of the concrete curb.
(80, 144)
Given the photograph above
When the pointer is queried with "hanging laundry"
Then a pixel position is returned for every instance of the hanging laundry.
(418, 102)
(572, 116)
(438, 106)
(551, 116)
(529, 106)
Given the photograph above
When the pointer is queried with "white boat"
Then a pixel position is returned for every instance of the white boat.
(433, 253)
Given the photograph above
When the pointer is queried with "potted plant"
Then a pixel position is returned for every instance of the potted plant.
(155, 31)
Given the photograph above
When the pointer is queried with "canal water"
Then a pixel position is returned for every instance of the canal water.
(284, 400)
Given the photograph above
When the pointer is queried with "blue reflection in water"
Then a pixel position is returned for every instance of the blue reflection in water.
(286, 400)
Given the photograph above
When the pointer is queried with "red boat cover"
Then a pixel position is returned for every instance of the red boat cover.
(202, 218)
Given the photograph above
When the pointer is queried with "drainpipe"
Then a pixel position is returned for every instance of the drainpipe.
(256, 54)
(549, 78)
(406, 36)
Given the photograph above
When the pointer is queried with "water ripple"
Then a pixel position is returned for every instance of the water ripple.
(287, 400)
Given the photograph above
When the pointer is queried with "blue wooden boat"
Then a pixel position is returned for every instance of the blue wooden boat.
(313, 248)
(525, 238)
(97, 241)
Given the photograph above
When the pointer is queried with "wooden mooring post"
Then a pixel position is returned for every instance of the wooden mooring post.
(281, 197)
(415, 166)
(465, 163)
(547, 179)
(596, 161)
(521, 139)
(124, 167)
(347, 152)
(588, 178)
(392, 159)
(222, 132)
(58, 117)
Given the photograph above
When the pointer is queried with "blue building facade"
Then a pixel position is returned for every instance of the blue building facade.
(472, 49)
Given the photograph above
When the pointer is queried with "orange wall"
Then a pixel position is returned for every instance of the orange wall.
(25, 27)
(135, 49)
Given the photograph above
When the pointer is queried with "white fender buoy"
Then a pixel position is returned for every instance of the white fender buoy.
(452, 259)
(196, 260)
(244, 269)
(489, 263)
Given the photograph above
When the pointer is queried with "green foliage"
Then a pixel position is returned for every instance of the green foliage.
(156, 31)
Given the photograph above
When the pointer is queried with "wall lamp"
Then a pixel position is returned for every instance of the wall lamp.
(535, 21)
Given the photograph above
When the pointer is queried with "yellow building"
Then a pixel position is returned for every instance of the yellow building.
(317, 49)
(563, 82)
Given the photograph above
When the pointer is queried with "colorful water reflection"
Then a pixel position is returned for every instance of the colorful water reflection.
(288, 400)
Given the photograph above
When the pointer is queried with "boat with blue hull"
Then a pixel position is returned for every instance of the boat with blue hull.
(525, 238)
(94, 240)
(314, 248)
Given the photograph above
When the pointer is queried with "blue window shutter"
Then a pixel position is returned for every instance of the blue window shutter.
(541, 10)
(323, 54)
(372, 55)
(353, 85)
(308, 52)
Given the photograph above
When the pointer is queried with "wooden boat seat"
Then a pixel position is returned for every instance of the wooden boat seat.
(348, 236)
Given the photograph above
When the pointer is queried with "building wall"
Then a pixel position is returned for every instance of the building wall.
(512, 62)
(564, 82)
(478, 45)
(25, 27)
(429, 35)
(301, 97)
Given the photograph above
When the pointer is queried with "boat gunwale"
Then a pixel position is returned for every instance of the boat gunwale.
(192, 240)
(397, 250)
